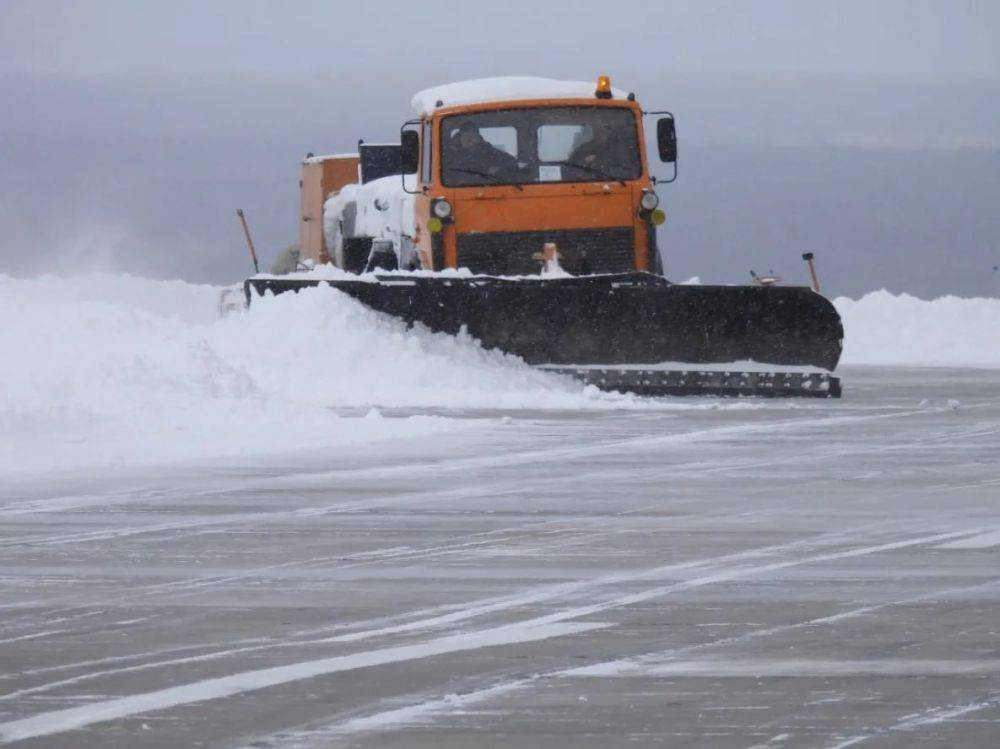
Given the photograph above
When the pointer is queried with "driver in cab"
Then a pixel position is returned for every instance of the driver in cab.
(469, 154)
(597, 156)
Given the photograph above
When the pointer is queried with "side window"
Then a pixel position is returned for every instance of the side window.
(426, 155)
(557, 142)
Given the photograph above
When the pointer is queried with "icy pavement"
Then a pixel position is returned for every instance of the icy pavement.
(770, 574)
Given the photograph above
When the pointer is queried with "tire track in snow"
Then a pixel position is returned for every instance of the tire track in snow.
(435, 495)
(403, 499)
(419, 712)
(235, 519)
(933, 716)
(425, 709)
(34, 635)
(419, 465)
(606, 447)
(428, 619)
(945, 436)
(463, 464)
(528, 630)
(48, 622)
(347, 560)
(390, 500)
(201, 525)
(194, 647)
(59, 721)
(447, 614)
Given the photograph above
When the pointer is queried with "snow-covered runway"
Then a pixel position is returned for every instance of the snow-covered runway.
(721, 574)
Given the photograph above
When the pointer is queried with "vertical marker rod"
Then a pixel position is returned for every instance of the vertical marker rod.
(246, 233)
(808, 257)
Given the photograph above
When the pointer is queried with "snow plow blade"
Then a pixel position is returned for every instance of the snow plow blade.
(614, 331)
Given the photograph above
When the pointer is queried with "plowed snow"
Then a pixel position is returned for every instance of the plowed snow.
(109, 369)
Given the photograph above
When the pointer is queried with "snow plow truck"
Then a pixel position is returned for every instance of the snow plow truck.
(524, 211)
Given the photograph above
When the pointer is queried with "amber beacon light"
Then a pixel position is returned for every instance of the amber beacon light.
(603, 87)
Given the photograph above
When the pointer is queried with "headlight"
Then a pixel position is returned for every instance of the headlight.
(649, 200)
(441, 208)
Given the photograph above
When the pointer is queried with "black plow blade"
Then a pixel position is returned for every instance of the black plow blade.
(634, 319)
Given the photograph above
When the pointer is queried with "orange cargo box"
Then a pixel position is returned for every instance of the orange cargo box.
(321, 176)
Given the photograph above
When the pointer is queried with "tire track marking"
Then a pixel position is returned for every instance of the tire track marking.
(429, 708)
(453, 614)
(528, 630)
(463, 465)
(928, 717)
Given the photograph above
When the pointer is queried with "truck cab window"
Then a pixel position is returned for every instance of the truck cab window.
(531, 145)
(504, 138)
(556, 142)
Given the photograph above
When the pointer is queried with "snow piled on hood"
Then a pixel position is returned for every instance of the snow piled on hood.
(899, 329)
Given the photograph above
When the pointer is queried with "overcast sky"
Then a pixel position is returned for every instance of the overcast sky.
(897, 37)
(131, 129)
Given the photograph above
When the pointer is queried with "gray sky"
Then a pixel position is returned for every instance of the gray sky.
(896, 37)
(868, 131)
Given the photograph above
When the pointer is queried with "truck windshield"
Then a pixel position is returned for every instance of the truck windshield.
(524, 146)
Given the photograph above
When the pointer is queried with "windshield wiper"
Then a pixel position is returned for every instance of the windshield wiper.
(594, 170)
(493, 177)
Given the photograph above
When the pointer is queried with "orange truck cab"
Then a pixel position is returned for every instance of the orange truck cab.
(498, 179)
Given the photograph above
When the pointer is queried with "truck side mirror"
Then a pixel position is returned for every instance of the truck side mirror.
(666, 139)
(409, 152)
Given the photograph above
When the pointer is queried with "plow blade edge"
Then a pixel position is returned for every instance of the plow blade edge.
(625, 319)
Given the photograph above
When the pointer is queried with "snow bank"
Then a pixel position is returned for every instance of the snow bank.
(509, 88)
(108, 370)
(885, 328)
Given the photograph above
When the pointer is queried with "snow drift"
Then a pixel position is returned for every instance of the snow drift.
(885, 328)
(109, 369)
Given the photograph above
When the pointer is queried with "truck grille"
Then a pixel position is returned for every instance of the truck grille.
(581, 251)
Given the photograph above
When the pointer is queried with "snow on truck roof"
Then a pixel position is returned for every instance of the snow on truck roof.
(504, 89)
